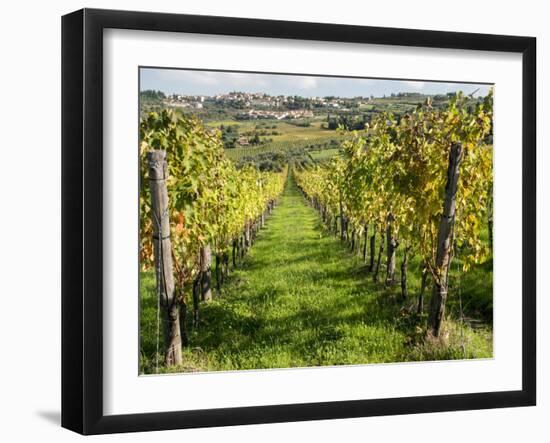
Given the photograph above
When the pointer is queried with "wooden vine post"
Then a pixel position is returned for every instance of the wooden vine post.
(206, 272)
(444, 242)
(163, 256)
(391, 248)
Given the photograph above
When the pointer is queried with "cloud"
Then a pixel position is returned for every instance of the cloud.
(415, 84)
(197, 77)
(236, 79)
(307, 82)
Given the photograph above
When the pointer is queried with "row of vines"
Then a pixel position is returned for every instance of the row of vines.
(283, 146)
(420, 184)
(213, 208)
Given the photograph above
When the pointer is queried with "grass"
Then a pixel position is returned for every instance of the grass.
(301, 299)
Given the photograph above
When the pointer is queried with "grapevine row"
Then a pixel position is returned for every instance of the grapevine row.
(213, 207)
(421, 183)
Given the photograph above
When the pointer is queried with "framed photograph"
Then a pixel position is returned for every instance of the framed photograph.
(269, 221)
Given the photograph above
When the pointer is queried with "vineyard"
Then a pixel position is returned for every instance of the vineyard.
(378, 251)
(402, 184)
(284, 146)
(210, 208)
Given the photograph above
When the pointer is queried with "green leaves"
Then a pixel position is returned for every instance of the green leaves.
(401, 166)
(210, 200)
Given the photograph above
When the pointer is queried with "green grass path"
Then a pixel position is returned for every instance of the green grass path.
(301, 299)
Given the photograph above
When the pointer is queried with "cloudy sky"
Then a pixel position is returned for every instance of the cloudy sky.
(188, 82)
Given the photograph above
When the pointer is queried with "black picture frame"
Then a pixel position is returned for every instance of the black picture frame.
(82, 219)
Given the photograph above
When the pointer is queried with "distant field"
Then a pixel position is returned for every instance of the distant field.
(281, 146)
(324, 154)
(289, 136)
(291, 132)
(311, 138)
(288, 131)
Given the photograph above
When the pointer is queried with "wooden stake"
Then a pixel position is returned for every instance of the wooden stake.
(444, 242)
(163, 255)
(206, 272)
